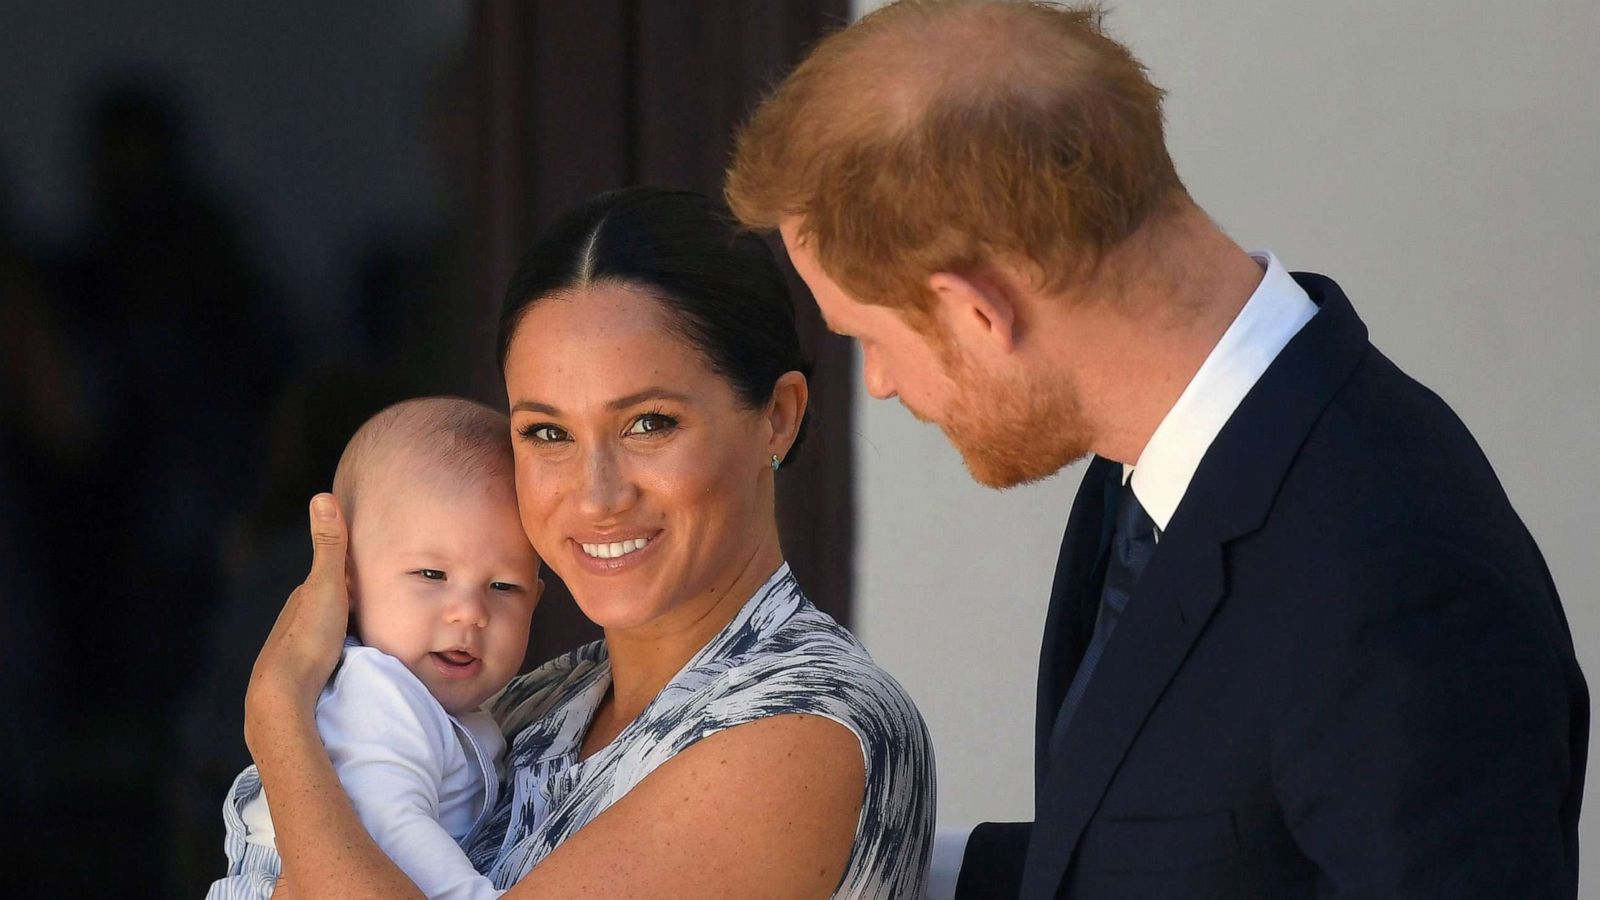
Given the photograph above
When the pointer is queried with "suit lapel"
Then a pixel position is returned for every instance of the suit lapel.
(1230, 495)
(1070, 619)
(1167, 611)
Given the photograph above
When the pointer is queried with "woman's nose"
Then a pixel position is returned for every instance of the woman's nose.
(607, 489)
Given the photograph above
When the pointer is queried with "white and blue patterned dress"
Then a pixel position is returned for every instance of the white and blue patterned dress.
(779, 655)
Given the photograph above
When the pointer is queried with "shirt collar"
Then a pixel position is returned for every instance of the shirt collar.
(1274, 313)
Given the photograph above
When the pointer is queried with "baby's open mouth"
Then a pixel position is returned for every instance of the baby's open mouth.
(456, 657)
(456, 663)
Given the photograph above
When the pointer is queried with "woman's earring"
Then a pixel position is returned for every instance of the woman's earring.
(776, 462)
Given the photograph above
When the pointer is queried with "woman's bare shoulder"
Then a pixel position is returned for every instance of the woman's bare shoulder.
(770, 805)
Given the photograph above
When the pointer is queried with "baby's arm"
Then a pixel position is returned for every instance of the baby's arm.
(389, 742)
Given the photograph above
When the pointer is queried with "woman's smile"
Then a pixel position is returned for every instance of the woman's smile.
(611, 557)
(614, 549)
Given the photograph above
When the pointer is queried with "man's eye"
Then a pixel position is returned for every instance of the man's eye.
(431, 574)
(544, 433)
(652, 423)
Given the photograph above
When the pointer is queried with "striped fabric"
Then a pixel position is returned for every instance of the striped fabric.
(779, 655)
(253, 869)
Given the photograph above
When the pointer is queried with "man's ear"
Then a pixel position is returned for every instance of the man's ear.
(977, 306)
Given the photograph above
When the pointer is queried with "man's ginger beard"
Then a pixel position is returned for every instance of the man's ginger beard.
(1009, 430)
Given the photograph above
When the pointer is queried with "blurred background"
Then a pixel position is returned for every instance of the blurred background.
(230, 231)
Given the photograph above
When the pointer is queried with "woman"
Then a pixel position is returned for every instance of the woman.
(725, 739)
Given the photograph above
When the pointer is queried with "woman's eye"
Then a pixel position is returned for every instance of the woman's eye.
(652, 423)
(431, 574)
(544, 434)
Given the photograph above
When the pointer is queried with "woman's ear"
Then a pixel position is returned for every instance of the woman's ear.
(977, 307)
(785, 412)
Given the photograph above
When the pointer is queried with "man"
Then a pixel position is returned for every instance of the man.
(1299, 644)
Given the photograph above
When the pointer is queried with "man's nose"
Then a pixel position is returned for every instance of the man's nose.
(876, 379)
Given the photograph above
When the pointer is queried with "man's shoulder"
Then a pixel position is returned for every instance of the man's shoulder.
(1386, 487)
(1386, 407)
(1400, 463)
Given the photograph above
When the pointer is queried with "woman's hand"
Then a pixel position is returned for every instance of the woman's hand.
(320, 837)
(300, 653)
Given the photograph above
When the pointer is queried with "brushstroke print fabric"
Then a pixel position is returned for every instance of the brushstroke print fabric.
(780, 655)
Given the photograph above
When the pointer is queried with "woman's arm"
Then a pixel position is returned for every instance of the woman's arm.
(767, 809)
(321, 840)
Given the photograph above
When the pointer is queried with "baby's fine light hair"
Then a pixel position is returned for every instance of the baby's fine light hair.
(459, 441)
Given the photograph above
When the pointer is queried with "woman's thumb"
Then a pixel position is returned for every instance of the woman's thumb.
(327, 539)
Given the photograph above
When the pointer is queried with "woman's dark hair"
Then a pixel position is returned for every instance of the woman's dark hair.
(721, 289)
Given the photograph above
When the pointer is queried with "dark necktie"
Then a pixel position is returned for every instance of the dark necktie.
(1133, 542)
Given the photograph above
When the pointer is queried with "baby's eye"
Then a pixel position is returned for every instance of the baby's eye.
(652, 423)
(504, 587)
(544, 433)
(430, 574)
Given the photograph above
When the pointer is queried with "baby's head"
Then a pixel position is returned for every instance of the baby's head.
(441, 573)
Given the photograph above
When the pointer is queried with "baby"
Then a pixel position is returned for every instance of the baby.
(442, 585)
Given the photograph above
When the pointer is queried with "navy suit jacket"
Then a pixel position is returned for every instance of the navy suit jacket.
(1345, 672)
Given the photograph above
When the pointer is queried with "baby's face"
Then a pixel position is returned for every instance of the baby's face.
(443, 579)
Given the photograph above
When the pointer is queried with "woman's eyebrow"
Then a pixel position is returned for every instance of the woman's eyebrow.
(653, 393)
(633, 399)
(530, 406)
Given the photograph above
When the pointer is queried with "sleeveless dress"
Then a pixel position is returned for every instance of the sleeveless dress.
(779, 655)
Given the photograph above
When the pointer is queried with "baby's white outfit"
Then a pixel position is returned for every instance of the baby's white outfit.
(422, 781)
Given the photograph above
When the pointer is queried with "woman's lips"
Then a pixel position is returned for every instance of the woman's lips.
(456, 663)
(609, 557)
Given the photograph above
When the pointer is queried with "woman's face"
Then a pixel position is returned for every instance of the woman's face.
(642, 479)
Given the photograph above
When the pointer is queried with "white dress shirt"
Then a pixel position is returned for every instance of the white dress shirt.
(1274, 314)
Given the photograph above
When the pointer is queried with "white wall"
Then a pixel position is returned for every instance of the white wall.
(1440, 160)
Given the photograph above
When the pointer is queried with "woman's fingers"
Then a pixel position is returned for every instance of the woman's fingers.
(327, 540)
(300, 653)
(311, 630)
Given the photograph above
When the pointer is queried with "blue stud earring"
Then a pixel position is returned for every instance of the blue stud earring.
(776, 462)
